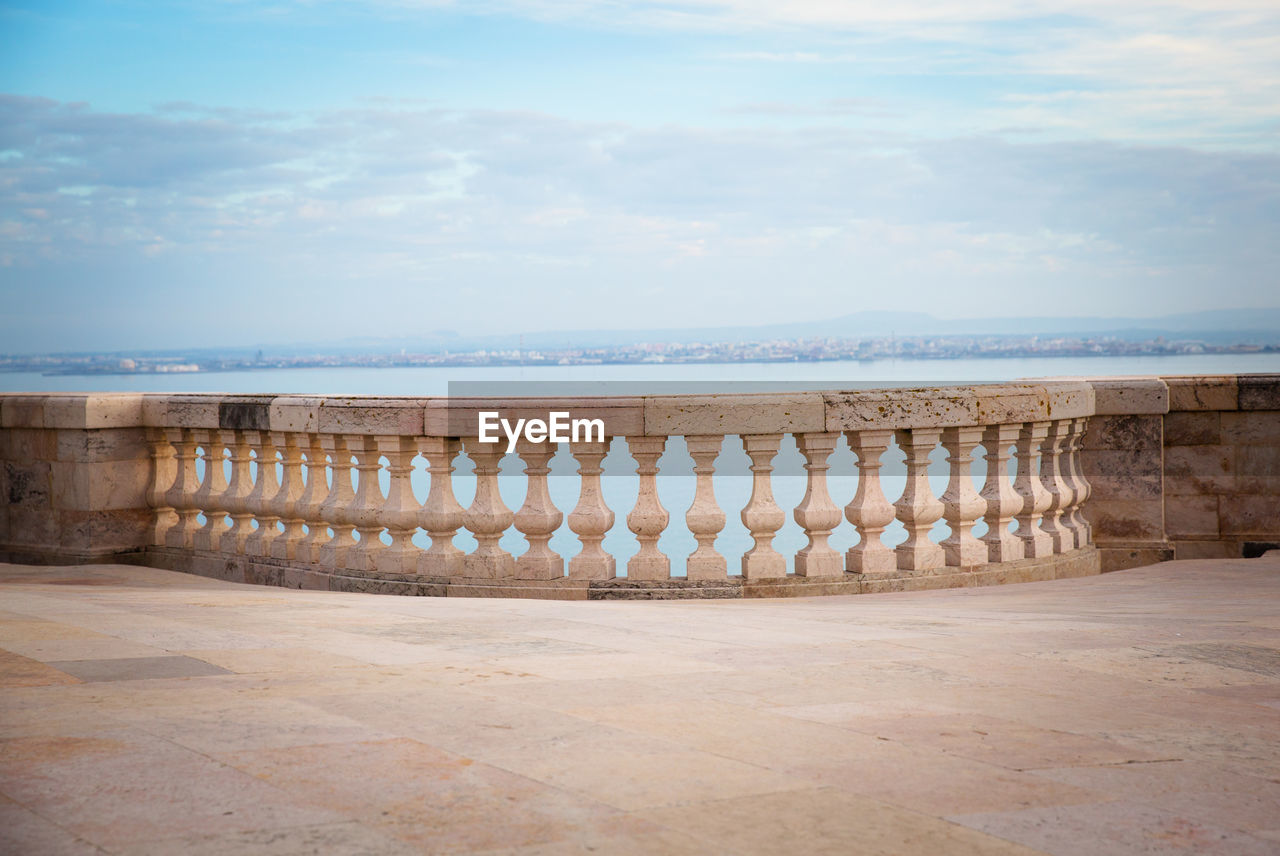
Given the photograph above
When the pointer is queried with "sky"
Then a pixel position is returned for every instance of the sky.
(231, 172)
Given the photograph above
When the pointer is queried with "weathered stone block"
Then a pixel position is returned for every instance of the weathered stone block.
(1202, 392)
(1135, 395)
(180, 411)
(295, 413)
(101, 486)
(103, 531)
(1254, 516)
(1259, 392)
(1134, 520)
(1124, 432)
(1191, 516)
(107, 410)
(1214, 549)
(1209, 469)
(1252, 428)
(23, 411)
(391, 416)
(30, 444)
(28, 483)
(1257, 469)
(32, 525)
(1192, 429)
(733, 414)
(245, 413)
(1131, 556)
(105, 444)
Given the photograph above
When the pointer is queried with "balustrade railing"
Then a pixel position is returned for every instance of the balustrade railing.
(315, 498)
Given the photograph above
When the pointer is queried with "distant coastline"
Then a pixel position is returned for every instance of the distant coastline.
(807, 350)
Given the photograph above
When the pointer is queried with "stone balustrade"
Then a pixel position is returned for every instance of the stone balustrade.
(318, 492)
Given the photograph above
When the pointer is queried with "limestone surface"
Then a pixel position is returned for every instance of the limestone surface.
(150, 712)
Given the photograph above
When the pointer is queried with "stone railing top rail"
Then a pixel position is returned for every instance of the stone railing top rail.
(655, 415)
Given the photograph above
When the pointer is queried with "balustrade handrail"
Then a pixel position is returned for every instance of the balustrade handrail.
(330, 452)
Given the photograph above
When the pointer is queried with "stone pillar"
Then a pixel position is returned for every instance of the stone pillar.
(74, 476)
(1122, 457)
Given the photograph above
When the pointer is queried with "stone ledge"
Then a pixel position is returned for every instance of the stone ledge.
(278, 572)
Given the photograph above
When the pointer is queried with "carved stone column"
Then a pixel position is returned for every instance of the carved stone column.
(442, 515)
(817, 513)
(181, 495)
(870, 511)
(591, 519)
(962, 506)
(400, 510)
(366, 512)
(212, 487)
(918, 509)
(236, 499)
(311, 503)
(997, 491)
(1073, 519)
(648, 519)
(538, 518)
(1035, 499)
(287, 503)
(1060, 493)
(261, 499)
(163, 475)
(762, 516)
(333, 511)
(488, 517)
(705, 518)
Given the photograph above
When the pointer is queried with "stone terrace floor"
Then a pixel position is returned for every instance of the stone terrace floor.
(143, 711)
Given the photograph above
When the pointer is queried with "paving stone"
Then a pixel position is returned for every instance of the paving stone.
(137, 668)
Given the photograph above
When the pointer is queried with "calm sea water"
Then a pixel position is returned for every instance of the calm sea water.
(676, 484)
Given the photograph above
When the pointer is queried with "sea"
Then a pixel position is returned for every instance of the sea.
(733, 484)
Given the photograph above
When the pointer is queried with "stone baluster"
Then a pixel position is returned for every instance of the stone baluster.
(1073, 518)
(1054, 483)
(164, 473)
(208, 497)
(488, 516)
(705, 518)
(236, 499)
(442, 516)
(311, 503)
(538, 518)
(1035, 499)
(817, 514)
(287, 504)
(1002, 500)
(181, 496)
(366, 512)
(591, 519)
(870, 511)
(762, 516)
(918, 509)
(648, 519)
(962, 506)
(400, 510)
(334, 551)
(261, 500)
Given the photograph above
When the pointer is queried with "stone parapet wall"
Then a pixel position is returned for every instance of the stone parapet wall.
(1147, 469)
(74, 472)
(1184, 467)
(1222, 466)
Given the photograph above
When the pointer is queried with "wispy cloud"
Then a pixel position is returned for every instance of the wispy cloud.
(437, 208)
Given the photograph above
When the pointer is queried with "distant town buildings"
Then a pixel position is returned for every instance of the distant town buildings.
(772, 351)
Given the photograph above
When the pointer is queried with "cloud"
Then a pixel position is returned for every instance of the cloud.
(362, 220)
